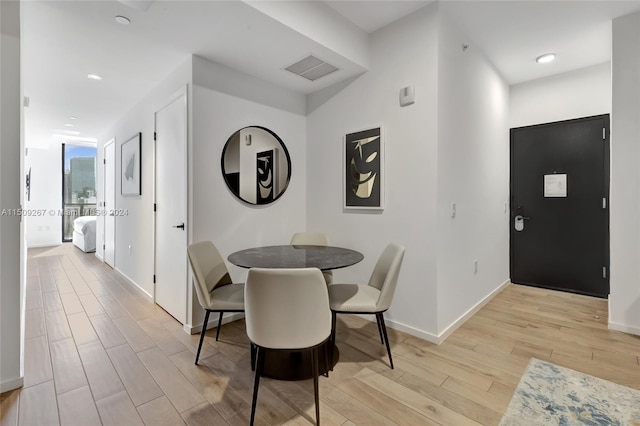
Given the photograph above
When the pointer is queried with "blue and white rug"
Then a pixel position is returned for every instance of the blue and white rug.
(552, 395)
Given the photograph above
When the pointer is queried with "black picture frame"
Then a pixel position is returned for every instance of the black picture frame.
(363, 169)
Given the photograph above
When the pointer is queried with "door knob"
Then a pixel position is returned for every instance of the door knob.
(181, 226)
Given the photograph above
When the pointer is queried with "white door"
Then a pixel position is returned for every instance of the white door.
(171, 207)
(109, 227)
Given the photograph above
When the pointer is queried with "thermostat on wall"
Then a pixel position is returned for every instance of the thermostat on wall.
(407, 95)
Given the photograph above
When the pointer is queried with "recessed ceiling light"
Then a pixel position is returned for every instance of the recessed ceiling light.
(69, 125)
(94, 77)
(546, 58)
(73, 117)
(123, 20)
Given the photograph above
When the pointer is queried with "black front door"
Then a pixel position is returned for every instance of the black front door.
(559, 223)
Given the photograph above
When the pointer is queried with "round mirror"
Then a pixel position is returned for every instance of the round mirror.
(256, 165)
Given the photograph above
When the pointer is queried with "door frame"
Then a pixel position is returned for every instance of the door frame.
(111, 204)
(606, 196)
(176, 95)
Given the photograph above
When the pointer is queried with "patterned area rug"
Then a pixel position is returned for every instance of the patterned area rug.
(552, 395)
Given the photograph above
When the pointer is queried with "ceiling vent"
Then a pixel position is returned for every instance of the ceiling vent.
(311, 68)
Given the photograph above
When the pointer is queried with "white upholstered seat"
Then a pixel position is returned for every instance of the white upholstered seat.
(353, 298)
(374, 298)
(286, 309)
(216, 292)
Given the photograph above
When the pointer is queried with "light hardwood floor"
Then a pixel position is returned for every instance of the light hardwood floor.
(98, 352)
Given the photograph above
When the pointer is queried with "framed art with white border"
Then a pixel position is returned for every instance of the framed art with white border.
(130, 163)
(363, 169)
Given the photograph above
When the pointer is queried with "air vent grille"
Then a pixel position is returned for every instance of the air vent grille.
(311, 68)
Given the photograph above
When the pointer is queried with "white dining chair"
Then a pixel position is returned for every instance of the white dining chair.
(286, 309)
(313, 239)
(215, 290)
(374, 298)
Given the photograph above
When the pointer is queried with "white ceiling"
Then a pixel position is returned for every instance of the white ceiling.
(513, 33)
(373, 15)
(63, 41)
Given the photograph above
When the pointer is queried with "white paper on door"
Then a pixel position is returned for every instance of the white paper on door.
(555, 185)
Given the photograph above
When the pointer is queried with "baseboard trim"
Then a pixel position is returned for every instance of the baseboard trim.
(439, 338)
(99, 256)
(624, 328)
(457, 323)
(44, 245)
(11, 384)
(213, 323)
(133, 283)
(429, 337)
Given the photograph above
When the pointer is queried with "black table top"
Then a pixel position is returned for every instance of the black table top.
(296, 256)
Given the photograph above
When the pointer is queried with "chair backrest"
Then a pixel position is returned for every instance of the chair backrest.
(385, 274)
(310, 239)
(286, 308)
(209, 269)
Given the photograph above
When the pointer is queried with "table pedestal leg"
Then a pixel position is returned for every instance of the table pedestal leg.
(296, 365)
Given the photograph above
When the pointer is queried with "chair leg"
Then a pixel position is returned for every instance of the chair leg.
(252, 348)
(379, 329)
(256, 382)
(314, 361)
(386, 337)
(328, 346)
(219, 325)
(204, 330)
(333, 336)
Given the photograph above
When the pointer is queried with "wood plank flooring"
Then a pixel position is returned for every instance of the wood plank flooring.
(98, 352)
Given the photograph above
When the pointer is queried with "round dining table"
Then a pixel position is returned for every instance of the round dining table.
(296, 365)
(296, 256)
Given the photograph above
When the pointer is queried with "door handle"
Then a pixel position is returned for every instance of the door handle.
(181, 226)
(519, 222)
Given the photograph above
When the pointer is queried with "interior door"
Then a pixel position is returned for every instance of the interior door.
(109, 227)
(559, 226)
(171, 207)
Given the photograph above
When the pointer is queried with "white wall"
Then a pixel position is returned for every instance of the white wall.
(46, 195)
(217, 214)
(624, 301)
(473, 173)
(450, 146)
(404, 53)
(11, 182)
(136, 229)
(575, 94)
